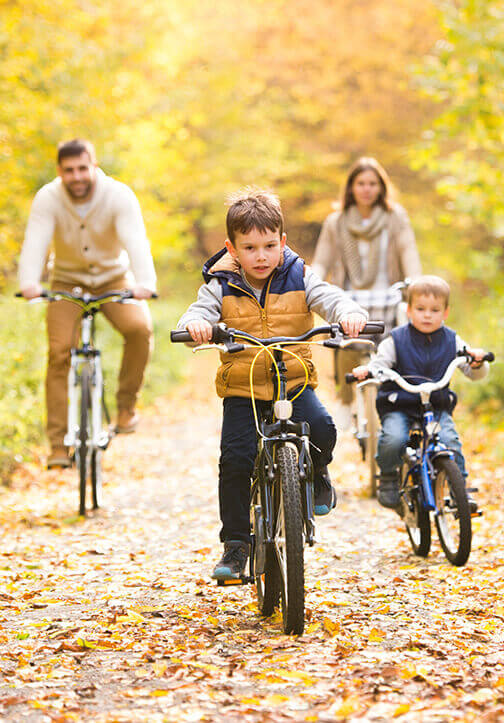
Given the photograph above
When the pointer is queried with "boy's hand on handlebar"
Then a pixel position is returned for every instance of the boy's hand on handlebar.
(478, 355)
(353, 323)
(200, 330)
(360, 372)
(32, 291)
(141, 292)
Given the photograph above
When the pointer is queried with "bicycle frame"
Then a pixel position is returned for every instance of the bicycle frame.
(87, 355)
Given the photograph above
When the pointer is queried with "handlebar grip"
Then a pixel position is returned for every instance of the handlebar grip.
(489, 357)
(18, 294)
(180, 335)
(349, 378)
(374, 327)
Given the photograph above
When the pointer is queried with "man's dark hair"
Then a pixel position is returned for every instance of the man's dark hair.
(253, 208)
(70, 149)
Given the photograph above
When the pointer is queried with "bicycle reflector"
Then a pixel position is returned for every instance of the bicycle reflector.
(283, 409)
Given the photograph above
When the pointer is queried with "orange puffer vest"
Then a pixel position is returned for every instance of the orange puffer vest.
(281, 311)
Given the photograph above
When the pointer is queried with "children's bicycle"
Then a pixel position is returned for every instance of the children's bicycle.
(89, 430)
(282, 496)
(429, 478)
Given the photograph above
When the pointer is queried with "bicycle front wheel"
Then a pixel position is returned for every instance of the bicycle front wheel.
(453, 520)
(415, 516)
(83, 448)
(289, 540)
(96, 478)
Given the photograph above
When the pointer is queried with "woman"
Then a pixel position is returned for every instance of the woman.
(365, 247)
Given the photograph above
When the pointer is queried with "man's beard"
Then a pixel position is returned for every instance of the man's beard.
(83, 193)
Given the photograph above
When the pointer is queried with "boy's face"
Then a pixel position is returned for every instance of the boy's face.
(427, 312)
(257, 253)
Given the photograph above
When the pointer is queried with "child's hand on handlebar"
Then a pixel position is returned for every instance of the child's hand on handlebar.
(32, 291)
(200, 330)
(360, 372)
(478, 355)
(353, 323)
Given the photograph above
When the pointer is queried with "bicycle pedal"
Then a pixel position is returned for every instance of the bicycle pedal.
(243, 580)
(478, 513)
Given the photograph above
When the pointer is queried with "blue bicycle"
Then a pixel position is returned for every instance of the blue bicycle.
(429, 478)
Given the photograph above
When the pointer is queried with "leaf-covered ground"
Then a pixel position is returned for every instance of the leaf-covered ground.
(115, 618)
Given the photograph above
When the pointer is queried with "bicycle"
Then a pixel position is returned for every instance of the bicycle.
(429, 478)
(365, 422)
(282, 496)
(89, 430)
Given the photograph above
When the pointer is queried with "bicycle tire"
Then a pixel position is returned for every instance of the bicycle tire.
(266, 572)
(453, 522)
(96, 478)
(372, 437)
(289, 543)
(83, 438)
(416, 517)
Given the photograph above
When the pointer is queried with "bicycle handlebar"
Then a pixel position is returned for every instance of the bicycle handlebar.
(116, 296)
(221, 334)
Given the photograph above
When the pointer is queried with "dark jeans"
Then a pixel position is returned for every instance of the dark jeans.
(238, 451)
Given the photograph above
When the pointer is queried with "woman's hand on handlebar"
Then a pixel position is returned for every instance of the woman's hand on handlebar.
(360, 372)
(142, 292)
(200, 330)
(353, 323)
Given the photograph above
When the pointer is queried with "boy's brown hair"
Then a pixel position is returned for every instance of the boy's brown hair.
(429, 286)
(253, 208)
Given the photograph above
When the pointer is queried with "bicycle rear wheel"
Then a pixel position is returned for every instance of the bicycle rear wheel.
(453, 521)
(266, 572)
(82, 450)
(96, 478)
(415, 516)
(289, 544)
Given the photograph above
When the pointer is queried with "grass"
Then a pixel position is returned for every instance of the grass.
(23, 363)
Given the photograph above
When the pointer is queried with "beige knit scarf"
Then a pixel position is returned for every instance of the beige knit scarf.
(352, 231)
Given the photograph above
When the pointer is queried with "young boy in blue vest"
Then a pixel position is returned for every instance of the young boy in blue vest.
(257, 284)
(419, 351)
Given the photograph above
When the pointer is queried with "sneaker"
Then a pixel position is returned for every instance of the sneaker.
(127, 421)
(231, 566)
(325, 494)
(473, 505)
(59, 458)
(388, 493)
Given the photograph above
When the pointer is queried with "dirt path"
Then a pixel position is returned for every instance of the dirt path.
(114, 618)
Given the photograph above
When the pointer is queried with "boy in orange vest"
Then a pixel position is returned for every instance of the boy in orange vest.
(259, 285)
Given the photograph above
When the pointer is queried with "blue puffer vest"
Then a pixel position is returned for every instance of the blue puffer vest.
(419, 358)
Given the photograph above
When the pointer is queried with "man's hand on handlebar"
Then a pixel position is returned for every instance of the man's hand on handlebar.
(360, 372)
(353, 323)
(200, 330)
(141, 292)
(32, 291)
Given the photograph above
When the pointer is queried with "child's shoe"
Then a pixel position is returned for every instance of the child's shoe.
(325, 494)
(231, 566)
(388, 492)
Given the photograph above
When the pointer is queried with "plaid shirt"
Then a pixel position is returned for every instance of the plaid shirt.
(381, 304)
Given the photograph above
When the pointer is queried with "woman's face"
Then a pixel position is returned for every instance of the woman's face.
(366, 189)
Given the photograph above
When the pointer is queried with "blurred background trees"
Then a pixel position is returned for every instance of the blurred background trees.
(188, 101)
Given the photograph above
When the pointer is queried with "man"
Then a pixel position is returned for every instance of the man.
(99, 244)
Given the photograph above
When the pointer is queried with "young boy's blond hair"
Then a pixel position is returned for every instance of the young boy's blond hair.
(428, 285)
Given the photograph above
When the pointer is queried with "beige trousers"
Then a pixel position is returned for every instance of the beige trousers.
(133, 321)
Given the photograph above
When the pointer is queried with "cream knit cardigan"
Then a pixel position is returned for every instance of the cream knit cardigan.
(91, 251)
